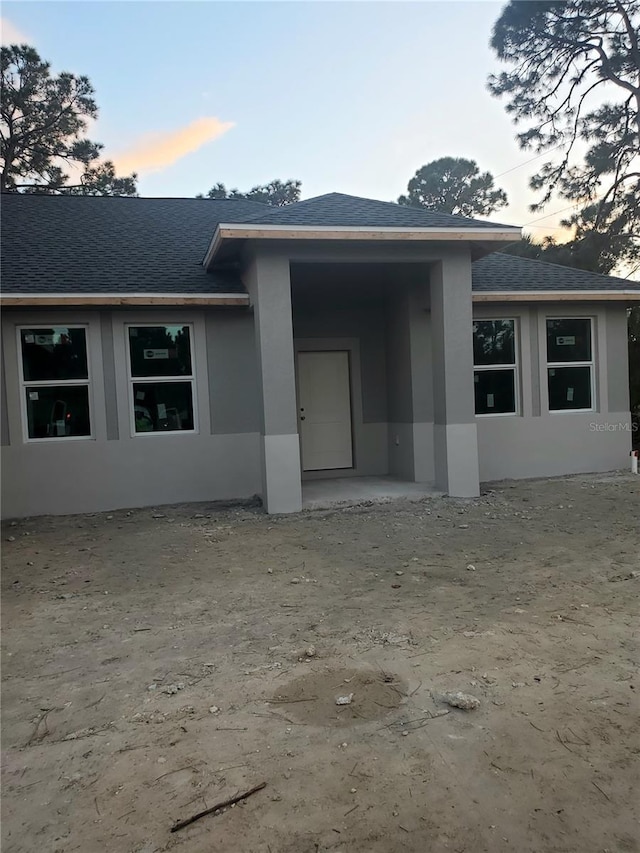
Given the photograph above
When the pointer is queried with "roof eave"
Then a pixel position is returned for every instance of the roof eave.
(628, 296)
(53, 300)
(250, 231)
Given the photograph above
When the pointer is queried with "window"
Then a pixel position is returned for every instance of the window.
(569, 364)
(161, 378)
(55, 381)
(495, 367)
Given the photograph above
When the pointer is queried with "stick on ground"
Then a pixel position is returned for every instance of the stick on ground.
(230, 802)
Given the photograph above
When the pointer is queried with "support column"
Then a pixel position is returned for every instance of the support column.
(455, 436)
(269, 285)
(421, 382)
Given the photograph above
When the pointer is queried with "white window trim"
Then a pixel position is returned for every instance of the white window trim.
(53, 383)
(515, 367)
(150, 380)
(556, 364)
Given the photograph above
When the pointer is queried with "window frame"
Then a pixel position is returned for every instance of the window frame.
(53, 383)
(558, 364)
(515, 367)
(151, 380)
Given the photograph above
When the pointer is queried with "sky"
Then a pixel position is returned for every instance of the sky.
(347, 97)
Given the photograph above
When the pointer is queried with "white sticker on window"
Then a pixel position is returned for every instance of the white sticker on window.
(162, 410)
(569, 395)
(490, 403)
(44, 340)
(139, 395)
(566, 341)
(156, 353)
(33, 395)
(29, 339)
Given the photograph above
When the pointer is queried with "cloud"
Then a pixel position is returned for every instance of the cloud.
(154, 152)
(11, 34)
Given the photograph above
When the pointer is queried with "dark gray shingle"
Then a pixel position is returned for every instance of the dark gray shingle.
(79, 244)
(339, 210)
(83, 244)
(500, 271)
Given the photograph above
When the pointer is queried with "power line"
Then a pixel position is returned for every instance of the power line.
(555, 213)
(526, 162)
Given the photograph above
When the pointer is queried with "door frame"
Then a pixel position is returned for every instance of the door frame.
(352, 347)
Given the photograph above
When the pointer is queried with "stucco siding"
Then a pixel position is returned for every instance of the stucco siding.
(92, 476)
(617, 359)
(234, 395)
(550, 446)
(115, 469)
(539, 443)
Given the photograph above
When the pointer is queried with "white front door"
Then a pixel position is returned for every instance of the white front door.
(324, 410)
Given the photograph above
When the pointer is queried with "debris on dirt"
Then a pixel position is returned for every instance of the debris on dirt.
(218, 808)
(518, 684)
(399, 573)
(464, 701)
(11, 538)
(344, 700)
(308, 653)
(395, 586)
(471, 567)
(214, 709)
(38, 733)
(87, 732)
(171, 689)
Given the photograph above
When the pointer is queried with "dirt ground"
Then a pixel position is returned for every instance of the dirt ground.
(157, 662)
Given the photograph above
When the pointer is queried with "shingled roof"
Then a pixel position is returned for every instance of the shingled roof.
(501, 272)
(338, 210)
(87, 244)
(98, 245)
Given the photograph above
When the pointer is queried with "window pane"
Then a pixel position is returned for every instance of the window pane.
(160, 350)
(568, 340)
(54, 353)
(58, 411)
(569, 388)
(162, 406)
(494, 342)
(495, 392)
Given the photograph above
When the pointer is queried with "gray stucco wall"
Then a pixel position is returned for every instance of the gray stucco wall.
(4, 419)
(108, 472)
(383, 316)
(539, 443)
(233, 373)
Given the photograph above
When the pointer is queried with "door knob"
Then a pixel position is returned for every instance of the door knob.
(302, 418)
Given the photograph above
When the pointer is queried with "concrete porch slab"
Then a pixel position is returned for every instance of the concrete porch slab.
(351, 491)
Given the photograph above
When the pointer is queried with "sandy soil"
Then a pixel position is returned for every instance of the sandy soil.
(157, 662)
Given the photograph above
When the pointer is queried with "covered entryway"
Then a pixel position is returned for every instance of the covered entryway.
(324, 410)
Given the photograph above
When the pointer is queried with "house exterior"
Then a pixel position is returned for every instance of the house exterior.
(172, 350)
